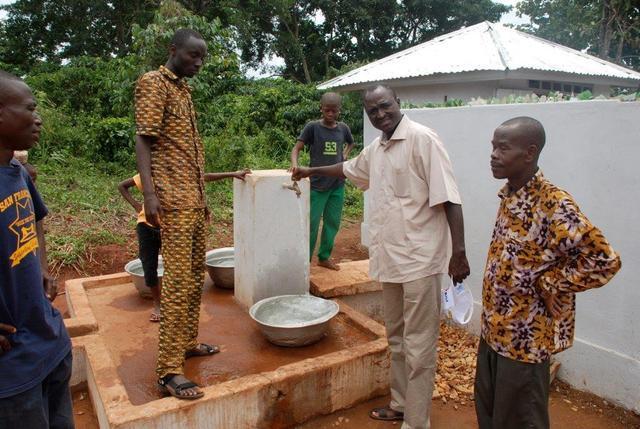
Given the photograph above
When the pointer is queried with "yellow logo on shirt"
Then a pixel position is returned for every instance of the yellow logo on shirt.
(330, 148)
(23, 227)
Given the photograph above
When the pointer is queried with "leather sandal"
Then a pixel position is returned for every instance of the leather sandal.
(202, 349)
(168, 384)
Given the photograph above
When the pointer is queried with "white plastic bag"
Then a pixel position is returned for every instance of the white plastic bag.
(457, 303)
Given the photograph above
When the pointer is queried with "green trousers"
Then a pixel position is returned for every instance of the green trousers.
(325, 205)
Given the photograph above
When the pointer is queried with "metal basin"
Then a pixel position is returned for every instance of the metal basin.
(294, 320)
(134, 268)
(220, 266)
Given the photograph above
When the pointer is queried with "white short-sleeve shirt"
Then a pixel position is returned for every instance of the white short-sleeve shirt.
(409, 177)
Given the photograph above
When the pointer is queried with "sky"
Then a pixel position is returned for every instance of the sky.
(509, 18)
(2, 3)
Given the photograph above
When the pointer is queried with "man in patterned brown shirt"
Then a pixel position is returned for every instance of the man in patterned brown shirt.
(542, 252)
(170, 161)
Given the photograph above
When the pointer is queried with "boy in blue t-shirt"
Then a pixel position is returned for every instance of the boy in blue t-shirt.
(329, 142)
(35, 350)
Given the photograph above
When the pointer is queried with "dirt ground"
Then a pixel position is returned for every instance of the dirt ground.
(569, 408)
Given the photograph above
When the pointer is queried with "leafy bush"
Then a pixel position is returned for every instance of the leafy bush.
(221, 69)
(585, 95)
(89, 85)
(257, 125)
(112, 139)
(62, 134)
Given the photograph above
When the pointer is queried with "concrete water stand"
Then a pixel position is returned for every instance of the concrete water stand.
(250, 384)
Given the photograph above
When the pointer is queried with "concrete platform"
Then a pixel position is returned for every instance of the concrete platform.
(352, 285)
(250, 384)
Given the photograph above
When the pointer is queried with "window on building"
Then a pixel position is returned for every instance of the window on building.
(543, 87)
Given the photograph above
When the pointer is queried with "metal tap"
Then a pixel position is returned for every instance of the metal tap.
(293, 187)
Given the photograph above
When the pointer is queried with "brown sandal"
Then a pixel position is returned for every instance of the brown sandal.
(202, 349)
(170, 385)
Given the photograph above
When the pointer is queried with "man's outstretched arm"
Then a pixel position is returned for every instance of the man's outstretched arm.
(334, 170)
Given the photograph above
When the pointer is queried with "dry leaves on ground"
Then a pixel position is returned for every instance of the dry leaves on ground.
(456, 365)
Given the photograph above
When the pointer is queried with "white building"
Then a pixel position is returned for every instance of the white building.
(487, 60)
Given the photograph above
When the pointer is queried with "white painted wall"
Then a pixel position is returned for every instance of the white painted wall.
(436, 93)
(592, 151)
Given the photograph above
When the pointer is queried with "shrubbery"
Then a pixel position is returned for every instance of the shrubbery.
(87, 104)
(112, 139)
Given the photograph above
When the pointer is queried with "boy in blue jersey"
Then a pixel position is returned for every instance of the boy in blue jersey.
(35, 350)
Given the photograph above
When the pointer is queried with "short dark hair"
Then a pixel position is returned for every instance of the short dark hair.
(372, 88)
(181, 36)
(531, 130)
(331, 98)
(7, 79)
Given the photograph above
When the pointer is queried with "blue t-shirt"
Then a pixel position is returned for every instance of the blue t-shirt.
(41, 340)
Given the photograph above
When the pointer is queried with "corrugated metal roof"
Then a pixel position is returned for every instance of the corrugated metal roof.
(482, 47)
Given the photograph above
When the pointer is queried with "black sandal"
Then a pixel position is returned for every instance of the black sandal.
(168, 385)
(202, 349)
(386, 413)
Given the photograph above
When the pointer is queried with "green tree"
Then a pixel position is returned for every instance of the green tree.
(609, 29)
(316, 36)
(221, 70)
(420, 20)
(53, 30)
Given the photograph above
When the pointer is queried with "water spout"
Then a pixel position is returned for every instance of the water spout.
(293, 187)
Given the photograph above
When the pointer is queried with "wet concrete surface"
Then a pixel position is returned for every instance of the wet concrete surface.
(123, 318)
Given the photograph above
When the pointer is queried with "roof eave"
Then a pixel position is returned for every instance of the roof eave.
(486, 75)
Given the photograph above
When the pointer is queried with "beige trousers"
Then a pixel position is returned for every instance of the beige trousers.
(412, 320)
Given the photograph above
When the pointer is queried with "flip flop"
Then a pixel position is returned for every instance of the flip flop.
(202, 349)
(386, 414)
(169, 386)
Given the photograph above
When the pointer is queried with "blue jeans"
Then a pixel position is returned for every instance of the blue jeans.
(44, 406)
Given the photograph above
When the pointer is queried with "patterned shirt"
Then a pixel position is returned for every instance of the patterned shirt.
(164, 110)
(541, 242)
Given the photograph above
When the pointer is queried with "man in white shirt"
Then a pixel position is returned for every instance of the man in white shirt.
(417, 238)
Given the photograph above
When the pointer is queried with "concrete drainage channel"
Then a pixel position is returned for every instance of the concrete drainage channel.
(250, 384)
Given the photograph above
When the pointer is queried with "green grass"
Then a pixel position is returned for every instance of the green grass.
(353, 204)
(87, 211)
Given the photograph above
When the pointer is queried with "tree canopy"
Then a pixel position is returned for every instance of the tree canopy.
(609, 29)
(314, 37)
